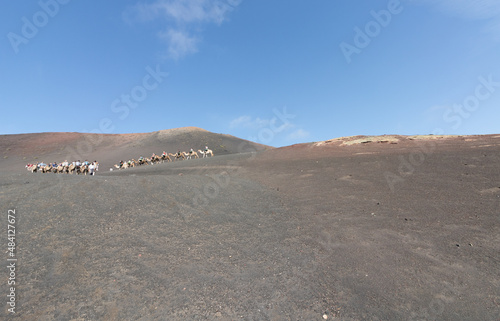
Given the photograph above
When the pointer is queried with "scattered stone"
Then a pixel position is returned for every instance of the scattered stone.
(325, 316)
(458, 245)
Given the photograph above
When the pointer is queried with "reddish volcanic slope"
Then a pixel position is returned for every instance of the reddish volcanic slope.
(109, 149)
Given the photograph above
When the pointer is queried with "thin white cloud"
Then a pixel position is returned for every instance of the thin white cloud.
(261, 122)
(493, 28)
(434, 113)
(469, 9)
(487, 11)
(184, 11)
(249, 122)
(240, 121)
(298, 135)
(179, 43)
(184, 19)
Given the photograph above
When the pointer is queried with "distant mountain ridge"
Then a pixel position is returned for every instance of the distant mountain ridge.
(109, 149)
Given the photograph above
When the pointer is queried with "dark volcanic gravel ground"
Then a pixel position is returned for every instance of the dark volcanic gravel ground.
(292, 234)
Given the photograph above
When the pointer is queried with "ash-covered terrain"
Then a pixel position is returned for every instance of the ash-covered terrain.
(356, 228)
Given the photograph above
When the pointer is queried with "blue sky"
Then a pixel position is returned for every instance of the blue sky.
(275, 72)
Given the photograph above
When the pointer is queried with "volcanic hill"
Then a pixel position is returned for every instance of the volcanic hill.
(109, 149)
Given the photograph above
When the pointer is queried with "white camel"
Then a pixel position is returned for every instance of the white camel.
(190, 154)
(124, 166)
(205, 153)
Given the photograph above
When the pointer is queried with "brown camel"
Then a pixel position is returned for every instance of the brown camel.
(191, 154)
(165, 157)
(71, 168)
(178, 155)
(84, 169)
(155, 159)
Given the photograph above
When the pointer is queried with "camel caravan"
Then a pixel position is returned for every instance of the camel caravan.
(65, 167)
(164, 157)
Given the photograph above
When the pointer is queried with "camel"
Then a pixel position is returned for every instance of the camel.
(206, 152)
(124, 166)
(84, 169)
(178, 155)
(155, 159)
(71, 168)
(191, 154)
(165, 157)
(61, 169)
